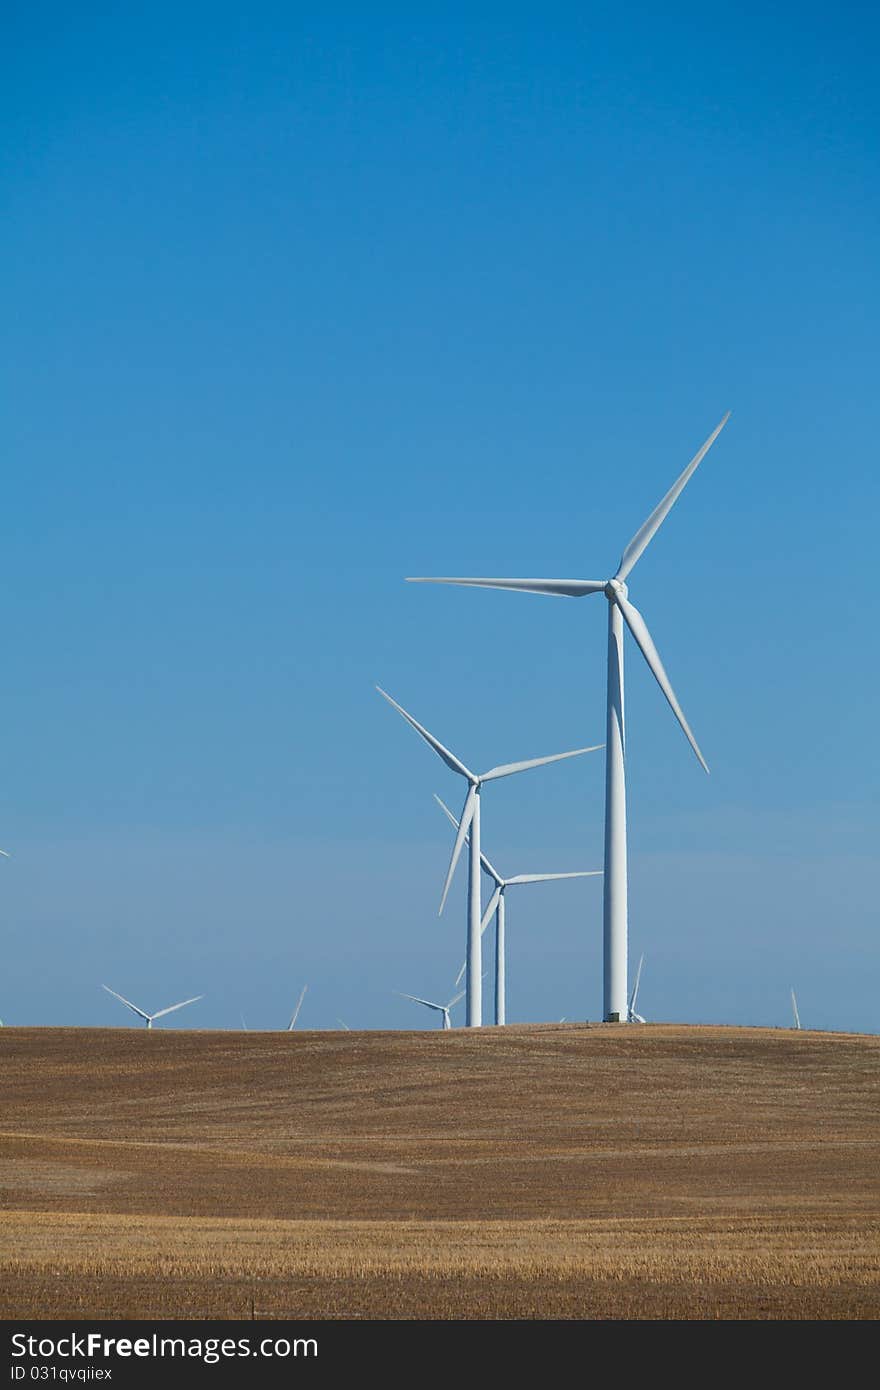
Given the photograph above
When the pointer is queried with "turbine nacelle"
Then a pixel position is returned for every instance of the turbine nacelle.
(616, 589)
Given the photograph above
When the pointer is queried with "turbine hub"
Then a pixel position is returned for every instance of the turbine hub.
(615, 588)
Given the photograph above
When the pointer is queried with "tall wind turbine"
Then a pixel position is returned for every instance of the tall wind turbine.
(620, 611)
(631, 1015)
(442, 1008)
(794, 1009)
(295, 1015)
(496, 906)
(470, 822)
(150, 1018)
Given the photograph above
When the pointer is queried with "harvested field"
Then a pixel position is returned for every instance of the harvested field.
(555, 1170)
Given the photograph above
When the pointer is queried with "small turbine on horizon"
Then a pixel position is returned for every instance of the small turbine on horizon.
(150, 1018)
(469, 825)
(794, 1009)
(631, 1015)
(295, 1015)
(496, 906)
(441, 1008)
(620, 611)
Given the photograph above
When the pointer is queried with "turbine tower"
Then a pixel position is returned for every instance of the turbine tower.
(620, 611)
(496, 906)
(470, 822)
(442, 1008)
(150, 1018)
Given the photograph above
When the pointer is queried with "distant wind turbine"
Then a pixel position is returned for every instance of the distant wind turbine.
(149, 1019)
(343, 1024)
(620, 611)
(441, 1008)
(794, 1009)
(496, 906)
(295, 1015)
(631, 1015)
(470, 822)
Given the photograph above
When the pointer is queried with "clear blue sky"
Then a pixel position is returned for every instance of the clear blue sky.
(298, 301)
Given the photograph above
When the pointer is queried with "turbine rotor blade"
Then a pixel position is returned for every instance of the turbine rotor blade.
(635, 994)
(507, 769)
(639, 629)
(172, 1007)
(122, 999)
(562, 588)
(449, 758)
(467, 815)
(643, 537)
(416, 1000)
(487, 915)
(458, 977)
(457, 999)
(493, 873)
(546, 878)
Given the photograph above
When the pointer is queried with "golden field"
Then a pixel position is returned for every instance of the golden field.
(542, 1171)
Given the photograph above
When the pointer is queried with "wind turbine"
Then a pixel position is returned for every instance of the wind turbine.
(442, 1008)
(295, 1015)
(620, 611)
(631, 1015)
(794, 1009)
(496, 906)
(150, 1018)
(470, 822)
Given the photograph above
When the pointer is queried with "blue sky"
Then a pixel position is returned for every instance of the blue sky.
(301, 301)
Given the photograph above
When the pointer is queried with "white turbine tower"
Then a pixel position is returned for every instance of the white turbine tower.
(441, 1008)
(620, 611)
(470, 822)
(496, 906)
(631, 1015)
(150, 1018)
(295, 1015)
(794, 1009)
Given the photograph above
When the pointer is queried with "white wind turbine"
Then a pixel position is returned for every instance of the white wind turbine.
(441, 1008)
(295, 1015)
(470, 823)
(620, 611)
(496, 906)
(794, 1009)
(150, 1018)
(631, 1015)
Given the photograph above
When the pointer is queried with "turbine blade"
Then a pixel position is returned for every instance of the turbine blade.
(493, 873)
(5, 853)
(416, 1000)
(546, 878)
(464, 824)
(122, 999)
(487, 915)
(635, 994)
(295, 1015)
(639, 629)
(457, 999)
(506, 769)
(563, 588)
(172, 1007)
(643, 537)
(449, 758)
(460, 974)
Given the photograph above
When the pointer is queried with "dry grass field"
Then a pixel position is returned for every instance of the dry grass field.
(555, 1170)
